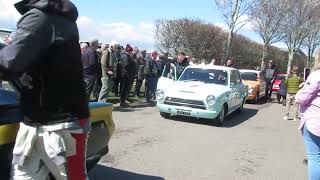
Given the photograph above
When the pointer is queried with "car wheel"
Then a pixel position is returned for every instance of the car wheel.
(220, 119)
(256, 99)
(165, 115)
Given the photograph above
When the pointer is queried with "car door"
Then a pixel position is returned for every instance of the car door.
(263, 85)
(233, 90)
(9, 104)
(241, 90)
(238, 89)
(169, 76)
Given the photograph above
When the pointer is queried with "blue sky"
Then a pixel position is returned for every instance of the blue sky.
(146, 10)
(130, 21)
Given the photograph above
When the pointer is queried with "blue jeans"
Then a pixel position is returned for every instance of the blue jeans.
(312, 144)
(151, 83)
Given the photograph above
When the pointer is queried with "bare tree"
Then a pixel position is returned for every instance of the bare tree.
(296, 25)
(206, 41)
(192, 36)
(312, 41)
(267, 17)
(236, 15)
(168, 36)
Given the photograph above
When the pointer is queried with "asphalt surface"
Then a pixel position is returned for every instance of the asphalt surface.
(256, 144)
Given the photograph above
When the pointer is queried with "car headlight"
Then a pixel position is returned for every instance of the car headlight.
(211, 100)
(160, 94)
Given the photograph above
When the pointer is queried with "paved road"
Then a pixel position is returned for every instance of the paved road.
(256, 144)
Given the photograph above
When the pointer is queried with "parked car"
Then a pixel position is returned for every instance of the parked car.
(4, 33)
(97, 146)
(277, 81)
(208, 92)
(2, 45)
(256, 84)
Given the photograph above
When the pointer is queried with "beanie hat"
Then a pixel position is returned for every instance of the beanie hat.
(129, 48)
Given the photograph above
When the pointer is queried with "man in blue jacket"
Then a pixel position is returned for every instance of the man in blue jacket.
(91, 66)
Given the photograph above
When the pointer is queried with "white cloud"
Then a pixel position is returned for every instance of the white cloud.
(222, 26)
(248, 23)
(141, 34)
(8, 14)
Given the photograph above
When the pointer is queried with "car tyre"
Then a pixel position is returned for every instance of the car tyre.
(220, 119)
(165, 115)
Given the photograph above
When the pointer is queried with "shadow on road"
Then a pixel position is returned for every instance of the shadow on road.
(123, 109)
(133, 107)
(236, 119)
(232, 120)
(102, 173)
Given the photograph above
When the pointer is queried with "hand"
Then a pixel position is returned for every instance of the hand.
(110, 73)
(26, 81)
(301, 85)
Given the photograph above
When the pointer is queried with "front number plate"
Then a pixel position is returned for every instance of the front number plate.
(183, 113)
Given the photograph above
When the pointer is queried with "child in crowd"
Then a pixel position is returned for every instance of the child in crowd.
(282, 94)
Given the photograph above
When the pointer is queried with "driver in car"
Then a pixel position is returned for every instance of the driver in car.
(45, 56)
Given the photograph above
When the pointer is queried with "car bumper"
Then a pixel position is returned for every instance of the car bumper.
(92, 161)
(5, 159)
(188, 112)
(251, 97)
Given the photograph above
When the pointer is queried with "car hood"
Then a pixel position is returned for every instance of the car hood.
(195, 90)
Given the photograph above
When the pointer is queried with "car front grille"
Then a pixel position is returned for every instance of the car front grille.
(185, 102)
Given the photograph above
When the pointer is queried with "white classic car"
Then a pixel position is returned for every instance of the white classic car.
(209, 92)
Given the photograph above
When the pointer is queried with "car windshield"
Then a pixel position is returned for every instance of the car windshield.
(2, 45)
(210, 76)
(8, 96)
(249, 76)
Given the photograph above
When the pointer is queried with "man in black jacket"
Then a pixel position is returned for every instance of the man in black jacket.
(126, 72)
(91, 69)
(151, 71)
(182, 63)
(45, 58)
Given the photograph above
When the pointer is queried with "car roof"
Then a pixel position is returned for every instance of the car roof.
(249, 70)
(281, 74)
(224, 68)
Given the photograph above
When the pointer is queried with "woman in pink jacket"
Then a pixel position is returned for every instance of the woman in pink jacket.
(309, 99)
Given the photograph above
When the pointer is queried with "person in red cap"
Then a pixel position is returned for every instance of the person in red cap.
(126, 71)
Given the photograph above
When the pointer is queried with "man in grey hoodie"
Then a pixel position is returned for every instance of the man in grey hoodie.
(45, 58)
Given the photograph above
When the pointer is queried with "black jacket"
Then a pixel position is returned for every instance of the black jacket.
(151, 69)
(141, 64)
(90, 62)
(127, 66)
(46, 48)
(181, 66)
